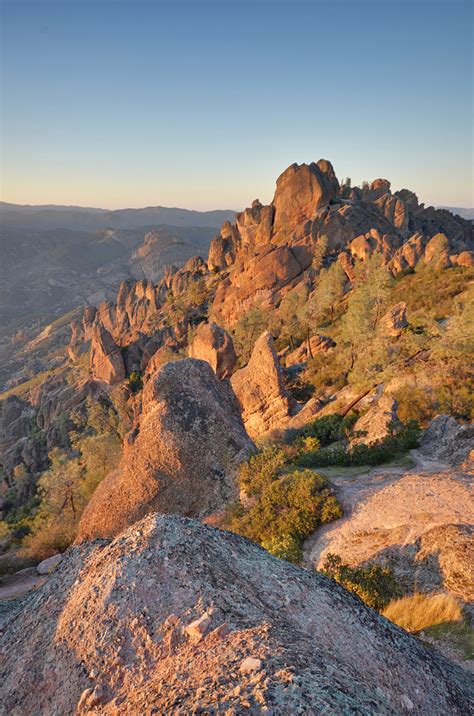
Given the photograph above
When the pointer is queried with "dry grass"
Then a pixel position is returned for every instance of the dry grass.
(422, 611)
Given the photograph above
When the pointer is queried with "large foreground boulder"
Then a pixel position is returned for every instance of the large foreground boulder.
(190, 442)
(174, 617)
(260, 389)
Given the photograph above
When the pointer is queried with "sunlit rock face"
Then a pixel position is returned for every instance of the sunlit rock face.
(214, 345)
(182, 455)
(264, 401)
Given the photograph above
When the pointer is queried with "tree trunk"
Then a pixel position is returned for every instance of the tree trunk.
(355, 401)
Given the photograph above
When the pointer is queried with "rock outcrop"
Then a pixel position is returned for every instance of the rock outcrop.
(377, 422)
(177, 617)
(301, 191)
(394, 321)
(420, 523)
(260, 389)
(214, 345)
(445, 439)
(182, 455)
(106, 357)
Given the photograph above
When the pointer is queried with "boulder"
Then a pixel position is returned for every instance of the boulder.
(214, 345)
(419, 523)
(106, 357)
(188, 444)
(446, 440)
(464, 259)
(437, 251)
(47, 566)
(260, 389)
(114, 630)
(394, 321)
(377, 422)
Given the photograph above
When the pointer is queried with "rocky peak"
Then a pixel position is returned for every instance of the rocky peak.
(106, 358)
(301, 191)
(378, 188)
(260, 389)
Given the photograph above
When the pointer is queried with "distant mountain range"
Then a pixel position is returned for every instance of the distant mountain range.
(465, 212)
(55, 258)
(50, 216)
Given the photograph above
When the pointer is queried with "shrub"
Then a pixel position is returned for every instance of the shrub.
(136, 382)
(281, 507)
(286, 547)
(48, 540)
(421, 611)
(406, 438)
(374, 584)
(330, 428)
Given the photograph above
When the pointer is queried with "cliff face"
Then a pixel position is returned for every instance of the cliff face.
(176, 617)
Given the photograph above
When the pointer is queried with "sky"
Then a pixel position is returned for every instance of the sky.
(118, 103)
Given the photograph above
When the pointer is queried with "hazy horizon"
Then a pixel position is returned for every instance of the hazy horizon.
(122, 104)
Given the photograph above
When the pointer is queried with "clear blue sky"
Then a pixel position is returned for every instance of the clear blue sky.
(203, 104)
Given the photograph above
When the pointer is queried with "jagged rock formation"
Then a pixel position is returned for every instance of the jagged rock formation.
(214, 345)
(269, 249)
(447, 440)
(106, 357)
(182, 456)
(177, 617)
(377, 422)
(260, 389)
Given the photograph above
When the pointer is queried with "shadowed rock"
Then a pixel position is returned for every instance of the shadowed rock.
(445, 439)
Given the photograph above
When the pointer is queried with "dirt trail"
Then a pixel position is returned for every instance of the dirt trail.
(19, 584)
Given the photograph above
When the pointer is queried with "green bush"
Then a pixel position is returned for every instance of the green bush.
(135, 380)
(330, 428)
(374, 584)
(399, 442)
(280, 507)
